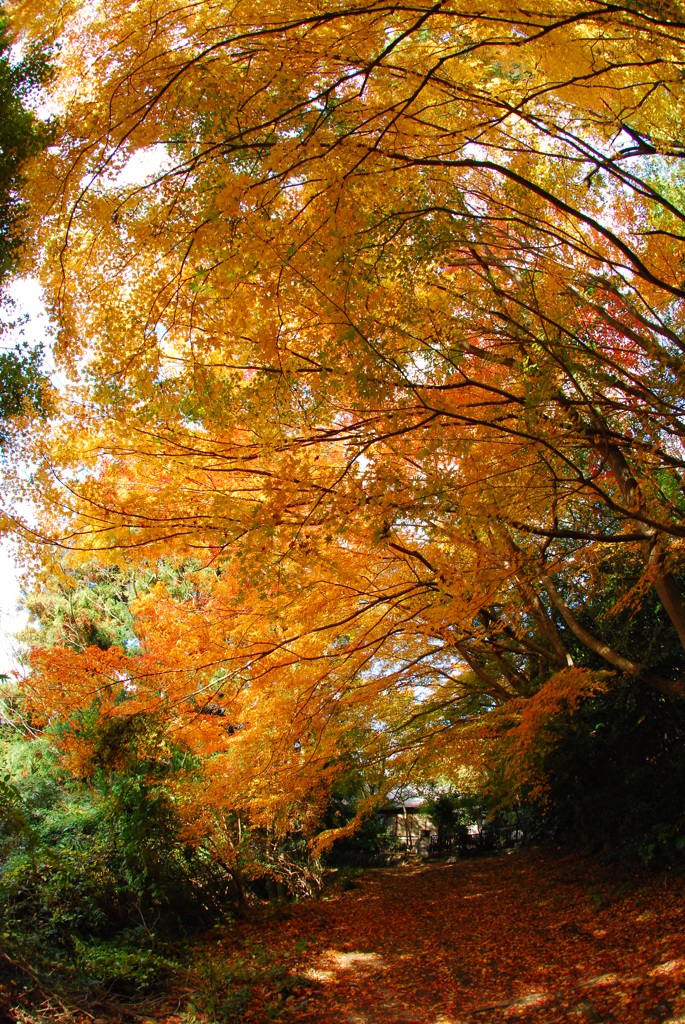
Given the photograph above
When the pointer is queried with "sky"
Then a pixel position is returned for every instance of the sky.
(11, 618)
(27, 296)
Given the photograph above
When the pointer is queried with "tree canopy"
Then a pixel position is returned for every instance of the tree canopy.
(388, 334)
(22, 134)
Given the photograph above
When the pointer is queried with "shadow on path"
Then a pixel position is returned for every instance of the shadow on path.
(526, 937)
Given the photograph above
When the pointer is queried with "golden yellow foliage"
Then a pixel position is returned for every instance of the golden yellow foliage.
(377, 310)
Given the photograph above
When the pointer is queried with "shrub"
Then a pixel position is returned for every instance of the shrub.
(613, 774)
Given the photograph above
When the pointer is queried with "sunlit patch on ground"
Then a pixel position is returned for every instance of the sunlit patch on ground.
(532, 999)
(542, 940)
(332, 961)
(318, 974)
(349, 960)
(600, 979)
(670, 967)
(530, 938)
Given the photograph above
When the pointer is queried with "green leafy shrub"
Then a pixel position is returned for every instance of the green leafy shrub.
(370, 846)
(451, 814)
(614, 774)
(126, 964)
(96, 878)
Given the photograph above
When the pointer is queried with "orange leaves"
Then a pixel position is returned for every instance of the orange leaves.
(383, 333)
(526, 937)
(524, 723)
(74, 680)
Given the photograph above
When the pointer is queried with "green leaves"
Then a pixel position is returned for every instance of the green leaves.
(23, 386)
(22, 135)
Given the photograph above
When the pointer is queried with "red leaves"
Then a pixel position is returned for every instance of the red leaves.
(527, 937)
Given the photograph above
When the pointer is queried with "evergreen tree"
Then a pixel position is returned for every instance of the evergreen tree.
(22, 135)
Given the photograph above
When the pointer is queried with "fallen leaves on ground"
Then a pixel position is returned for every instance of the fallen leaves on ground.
(531, 937)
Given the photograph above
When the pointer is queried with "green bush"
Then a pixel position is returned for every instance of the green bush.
(451, 814)
(614, 772)
(370, 846)
(95, 876)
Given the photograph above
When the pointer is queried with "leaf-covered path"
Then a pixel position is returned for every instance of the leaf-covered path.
(525, 937)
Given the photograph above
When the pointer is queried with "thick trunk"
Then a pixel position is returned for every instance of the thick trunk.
(668, 592)
(591, 642)
(664, 582)
(671, 687)
(674, 688)
(515, 680)
(550, 632)
(546, 625)
(492, 687)
(236, 877)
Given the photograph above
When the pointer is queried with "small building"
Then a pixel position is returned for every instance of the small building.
(403, 819)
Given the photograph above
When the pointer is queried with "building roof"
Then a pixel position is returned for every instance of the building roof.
(399, 801)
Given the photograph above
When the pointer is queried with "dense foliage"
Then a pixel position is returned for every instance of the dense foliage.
(370, 460)
(614, 774)
(366, 476)
(22, 135)
(96, 876)
(22, 384)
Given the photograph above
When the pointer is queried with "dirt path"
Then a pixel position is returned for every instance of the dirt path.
(525, 937)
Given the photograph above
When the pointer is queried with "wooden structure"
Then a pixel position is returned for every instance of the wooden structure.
(402, 818)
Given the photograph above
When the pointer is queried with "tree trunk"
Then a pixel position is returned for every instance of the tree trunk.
(591, 642)
(663, 581)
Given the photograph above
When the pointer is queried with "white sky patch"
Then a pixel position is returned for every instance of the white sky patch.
(26, 295)
(32, 326)
(417, 369)
(12, 618)
(142, 166)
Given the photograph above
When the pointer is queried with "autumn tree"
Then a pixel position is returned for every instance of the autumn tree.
(388, 332)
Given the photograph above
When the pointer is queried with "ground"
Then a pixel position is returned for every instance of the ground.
(532, 937)
(529, 937)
